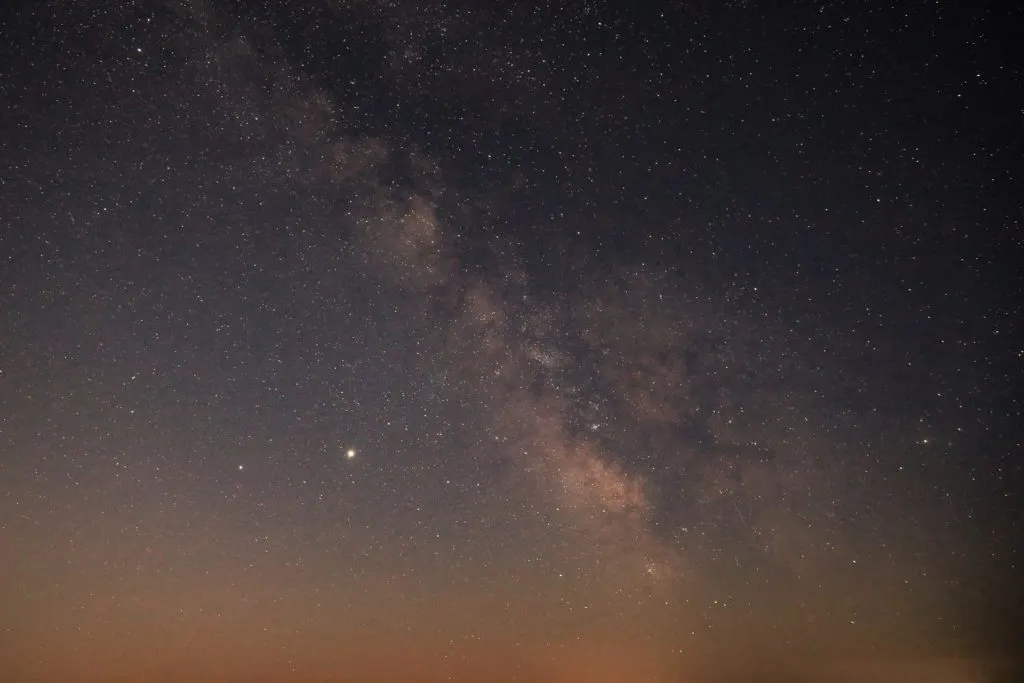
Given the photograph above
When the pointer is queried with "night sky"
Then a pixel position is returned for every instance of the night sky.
(572, 342)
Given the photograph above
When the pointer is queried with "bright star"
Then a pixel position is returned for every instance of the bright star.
(350, 453)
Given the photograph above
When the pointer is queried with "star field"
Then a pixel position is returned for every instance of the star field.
(385, 341)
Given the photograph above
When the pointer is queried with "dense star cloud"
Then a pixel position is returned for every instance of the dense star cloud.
(381, 341)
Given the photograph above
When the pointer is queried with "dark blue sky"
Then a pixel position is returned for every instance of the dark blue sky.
(669, 342)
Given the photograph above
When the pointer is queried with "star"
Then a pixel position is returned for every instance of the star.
(350, 453)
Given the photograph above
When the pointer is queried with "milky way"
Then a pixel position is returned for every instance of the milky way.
(372, 341)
